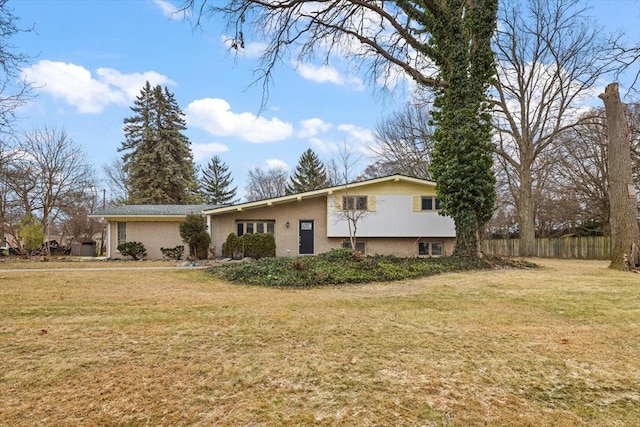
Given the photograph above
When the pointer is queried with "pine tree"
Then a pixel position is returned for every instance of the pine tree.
(216, 183)
(310, 174)
(157, 157)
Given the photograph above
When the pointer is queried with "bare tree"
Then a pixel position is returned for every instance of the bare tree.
(404, 143)
(622, 192)
(266, 184)
(581, 165)
(116, 180)
(75, 221)
(351, 207)
(9, 204)
(549, 57)
(14, 92)
(48, 174)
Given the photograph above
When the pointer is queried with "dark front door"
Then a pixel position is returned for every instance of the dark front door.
(305, 238)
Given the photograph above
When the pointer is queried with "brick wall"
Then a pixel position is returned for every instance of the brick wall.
(153, 235)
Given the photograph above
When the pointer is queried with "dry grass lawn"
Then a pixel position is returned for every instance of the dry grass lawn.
(557, 346)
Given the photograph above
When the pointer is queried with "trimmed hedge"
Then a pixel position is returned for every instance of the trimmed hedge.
(252, 245)
(173, 253)
(136, 250)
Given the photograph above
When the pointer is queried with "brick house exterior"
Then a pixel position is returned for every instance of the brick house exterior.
(397, 215)
(393, 220)
(156, 226)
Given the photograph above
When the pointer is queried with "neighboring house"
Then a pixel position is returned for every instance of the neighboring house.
(156, 226)
(397, 215)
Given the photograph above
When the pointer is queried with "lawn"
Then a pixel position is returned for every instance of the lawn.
(559, 345)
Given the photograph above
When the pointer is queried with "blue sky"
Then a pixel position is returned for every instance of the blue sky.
(91, 58)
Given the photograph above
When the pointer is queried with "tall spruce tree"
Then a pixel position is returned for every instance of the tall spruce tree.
(157, 157)
(216, 183)
(310, 174)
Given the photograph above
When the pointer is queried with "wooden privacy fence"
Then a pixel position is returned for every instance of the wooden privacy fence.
(592, 247)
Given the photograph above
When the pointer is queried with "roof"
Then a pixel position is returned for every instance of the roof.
(314, 193)
(151, 210)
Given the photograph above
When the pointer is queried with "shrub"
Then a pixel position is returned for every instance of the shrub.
(194, 233)
(233, 247)
(262, 245)
(201, 243)
(136, 250)
(267, 245)
(251, 245)
(31, 234)
(173, 253)
(259, 245)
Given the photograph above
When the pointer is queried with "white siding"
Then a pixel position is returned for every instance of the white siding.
(393, 217)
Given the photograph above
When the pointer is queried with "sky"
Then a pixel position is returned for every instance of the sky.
(91, 58)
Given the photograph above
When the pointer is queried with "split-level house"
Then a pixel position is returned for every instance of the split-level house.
(391, 215)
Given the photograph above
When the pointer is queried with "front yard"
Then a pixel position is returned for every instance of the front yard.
(556, 346)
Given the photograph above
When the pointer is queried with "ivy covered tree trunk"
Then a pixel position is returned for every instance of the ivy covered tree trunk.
(463, 156)
(622, 196)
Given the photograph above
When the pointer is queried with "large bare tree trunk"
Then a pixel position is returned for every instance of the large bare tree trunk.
(622, 194)
(526, 223)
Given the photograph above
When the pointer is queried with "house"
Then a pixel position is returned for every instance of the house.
(156, 226)
(395, 215)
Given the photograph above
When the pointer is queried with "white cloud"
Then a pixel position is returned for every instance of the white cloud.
(169, 10)
(131, 84)
(324, 146)
(277, 164)
(214, 115)
(76, 86)
(312, 127)
(321, 74)
(206, 151)
(357, 134)
(327, 74)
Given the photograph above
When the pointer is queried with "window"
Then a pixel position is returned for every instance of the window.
(255, 226)
(354, 203)
(430, 203)
(121, 231)
(430, 249)
(360, 246)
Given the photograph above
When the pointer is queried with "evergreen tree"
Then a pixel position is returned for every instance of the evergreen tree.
(157, 157)
(216, 183)
(310, 174)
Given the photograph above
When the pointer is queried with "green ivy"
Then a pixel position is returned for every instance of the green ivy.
(340, 266)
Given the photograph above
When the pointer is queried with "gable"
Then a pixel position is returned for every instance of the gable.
(400, 187)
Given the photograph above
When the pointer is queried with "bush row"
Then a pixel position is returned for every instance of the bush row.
(254, 245)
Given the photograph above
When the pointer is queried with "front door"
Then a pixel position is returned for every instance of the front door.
(305, 238)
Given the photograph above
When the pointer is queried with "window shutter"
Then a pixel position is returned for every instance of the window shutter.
(371, 203)
(417, 203)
